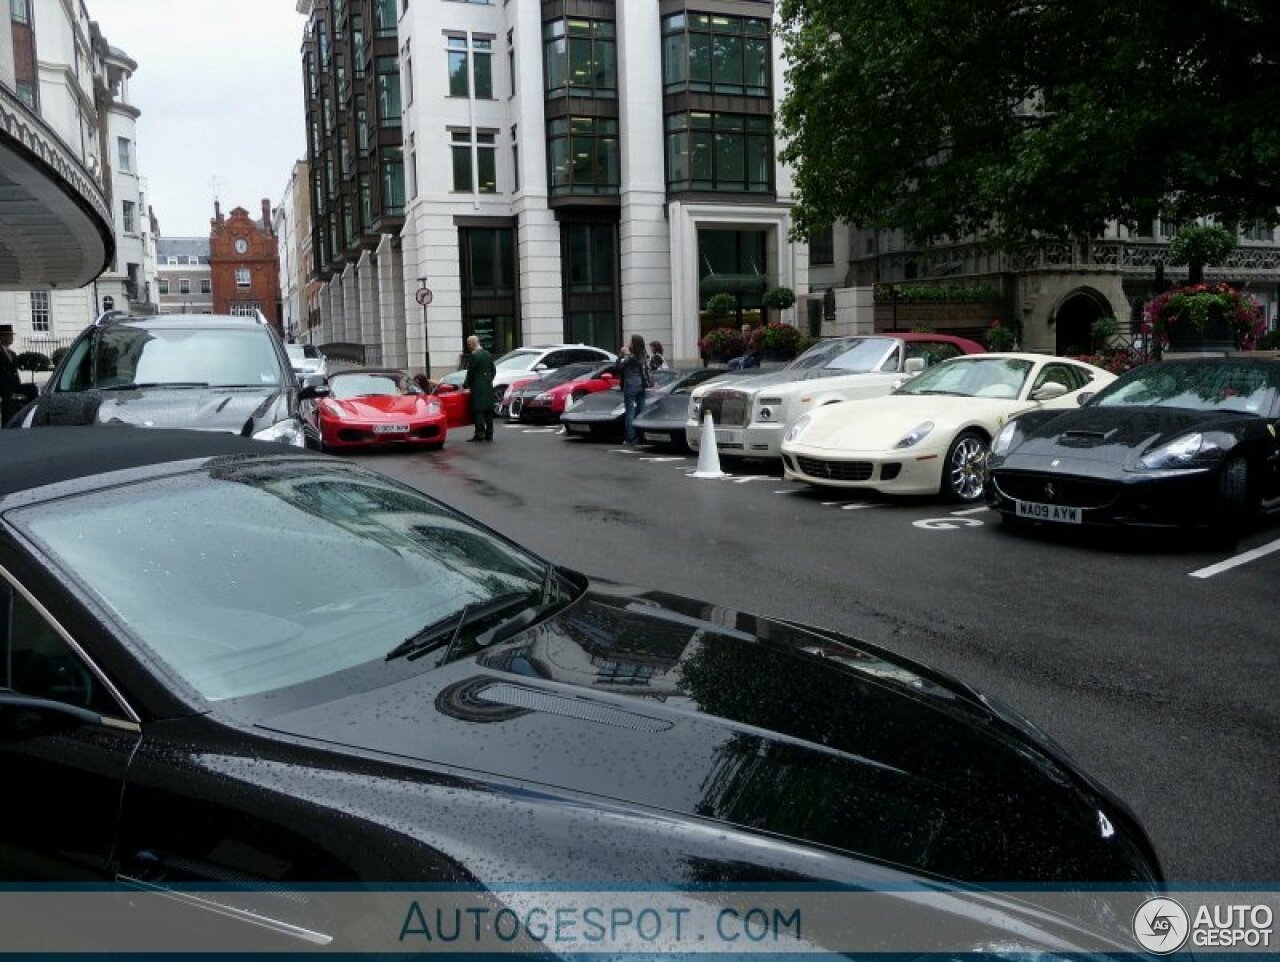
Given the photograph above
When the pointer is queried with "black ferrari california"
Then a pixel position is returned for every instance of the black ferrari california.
(1180, 442)
(238, 668)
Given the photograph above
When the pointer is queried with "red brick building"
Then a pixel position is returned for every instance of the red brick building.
(245, 263)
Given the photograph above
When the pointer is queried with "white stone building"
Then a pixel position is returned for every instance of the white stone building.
(68, 243)
(568, 171)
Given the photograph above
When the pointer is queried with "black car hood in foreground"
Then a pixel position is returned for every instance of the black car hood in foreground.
(642, 700)
(240, 410)
(1113, 435)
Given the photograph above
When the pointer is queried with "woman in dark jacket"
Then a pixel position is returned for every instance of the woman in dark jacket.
(633, 373)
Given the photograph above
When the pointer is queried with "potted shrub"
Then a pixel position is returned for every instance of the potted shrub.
(776, 341)
(722, 343)
(779, 299)
(999, 337)
(1206, 317)
(32, 361)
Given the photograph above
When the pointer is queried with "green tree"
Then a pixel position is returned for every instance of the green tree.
(1199, 246)
(1016, 119)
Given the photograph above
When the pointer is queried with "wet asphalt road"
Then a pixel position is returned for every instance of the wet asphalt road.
(1161, 683)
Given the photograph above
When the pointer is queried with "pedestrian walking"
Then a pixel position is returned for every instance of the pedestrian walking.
(10, 379)
(656, 361)
(479, 382)
(634, 374)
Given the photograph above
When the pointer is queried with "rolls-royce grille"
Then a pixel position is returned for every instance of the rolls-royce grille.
(728, 408)
(1056, 489)
(837, 470)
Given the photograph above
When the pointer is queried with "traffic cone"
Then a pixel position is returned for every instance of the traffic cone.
(708, 453)
(569, 402)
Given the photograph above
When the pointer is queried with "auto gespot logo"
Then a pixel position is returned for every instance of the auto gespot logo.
(1161, 926)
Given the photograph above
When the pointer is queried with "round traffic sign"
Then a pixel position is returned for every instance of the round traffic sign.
(424, 296)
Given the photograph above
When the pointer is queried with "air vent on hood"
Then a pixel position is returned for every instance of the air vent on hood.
(1083, 439)
(541, 701)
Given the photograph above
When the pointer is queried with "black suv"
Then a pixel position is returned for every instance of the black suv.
(206, 371)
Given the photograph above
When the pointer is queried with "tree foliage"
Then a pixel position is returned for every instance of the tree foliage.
(1017, 119)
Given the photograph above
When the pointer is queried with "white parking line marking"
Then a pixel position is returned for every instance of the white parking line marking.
(538, 431)
(971, 511)
(1236, 561)
(858, 506)
(653, 460)
(749, 478)
(622, 451)
(789, 491)
(947, 524)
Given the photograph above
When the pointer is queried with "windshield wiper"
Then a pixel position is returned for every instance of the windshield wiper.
(947, 393)
(134, 387)
(446, 631)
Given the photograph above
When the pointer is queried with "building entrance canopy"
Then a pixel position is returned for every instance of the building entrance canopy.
(55, 229)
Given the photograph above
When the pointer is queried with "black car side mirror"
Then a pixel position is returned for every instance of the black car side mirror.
(1084, 396)
(313, 391)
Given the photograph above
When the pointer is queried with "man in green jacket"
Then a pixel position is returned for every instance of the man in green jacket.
(480, 372)
(10, 379)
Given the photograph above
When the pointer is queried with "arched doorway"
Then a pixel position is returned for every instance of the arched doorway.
(1074, 319)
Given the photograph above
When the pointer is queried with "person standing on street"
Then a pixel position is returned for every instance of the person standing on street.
(656, 360)
(10, 379)
(633, 373)
(479, 382)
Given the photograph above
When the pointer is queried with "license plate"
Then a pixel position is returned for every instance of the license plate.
(577, 428)
(728, 437)
(391, 429)
(1049, 512)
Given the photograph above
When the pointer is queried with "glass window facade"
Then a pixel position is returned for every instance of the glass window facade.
(719, 152)
(580, 58)
(710, 53)
(388, 90)
(589, 250)
(582, 154)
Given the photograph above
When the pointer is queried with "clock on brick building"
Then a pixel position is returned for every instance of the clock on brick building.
(245, 264)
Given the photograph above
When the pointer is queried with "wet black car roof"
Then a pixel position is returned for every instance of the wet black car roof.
(30, 459)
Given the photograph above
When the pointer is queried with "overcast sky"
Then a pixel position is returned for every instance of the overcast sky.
(219, 84)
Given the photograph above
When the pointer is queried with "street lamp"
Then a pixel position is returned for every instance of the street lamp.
(893, 297)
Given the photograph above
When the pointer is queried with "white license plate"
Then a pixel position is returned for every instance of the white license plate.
(577, 428)
(728, 437)
(1048, 512)
(391, 429)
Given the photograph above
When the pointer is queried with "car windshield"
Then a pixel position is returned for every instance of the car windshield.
(518, 360)
(122, 355)
(1244, 388)
(456, 378)
(367, 385)
(246, 578)
(991, 377)
(857, 355)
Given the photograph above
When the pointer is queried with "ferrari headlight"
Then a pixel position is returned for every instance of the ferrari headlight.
(797, 429)
(1175, 454)
(1004, 440)
(915, 435)
(288, 431)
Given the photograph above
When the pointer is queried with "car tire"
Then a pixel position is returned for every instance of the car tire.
(1234, 505)
(964, 468)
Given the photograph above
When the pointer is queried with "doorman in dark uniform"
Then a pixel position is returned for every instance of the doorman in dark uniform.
(480, 372)
(10, 379)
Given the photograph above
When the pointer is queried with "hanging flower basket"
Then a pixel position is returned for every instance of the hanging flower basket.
(1206, 317)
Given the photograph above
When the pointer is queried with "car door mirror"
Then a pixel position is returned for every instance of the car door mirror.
(313, 391)
(1084, 397)
(1048, 392)
(540, 368)
(913, 366)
